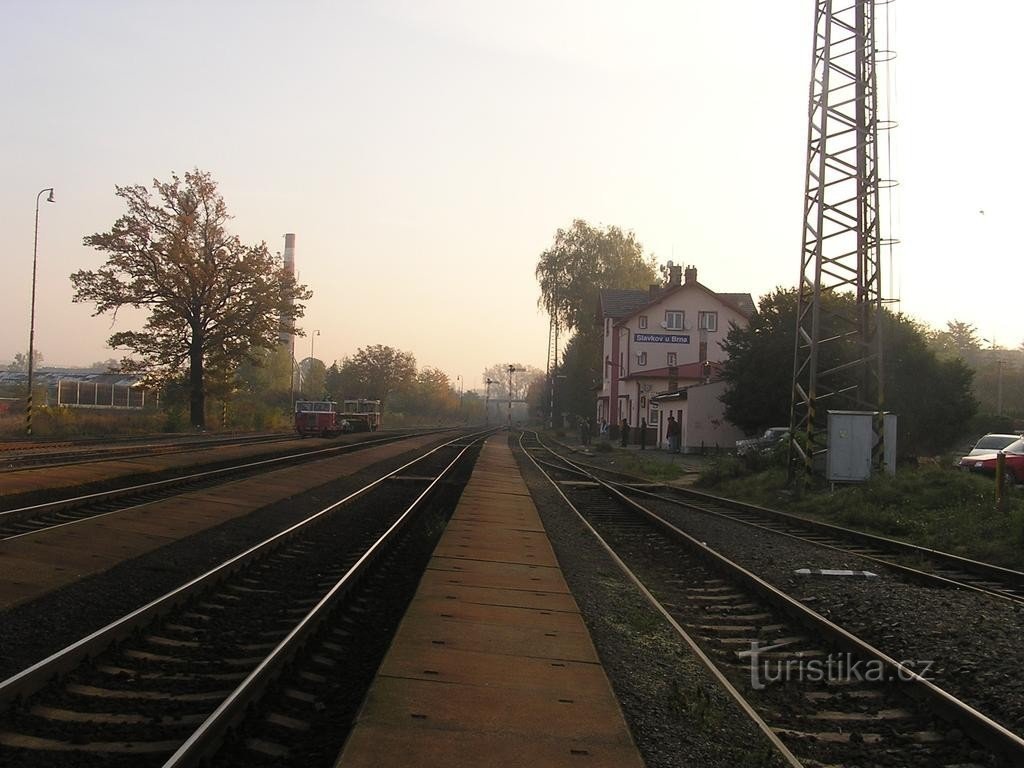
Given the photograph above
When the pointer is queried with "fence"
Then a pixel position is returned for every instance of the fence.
(88, 394)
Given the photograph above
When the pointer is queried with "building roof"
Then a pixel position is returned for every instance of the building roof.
(742, 301)
(53, 375)
(622, 302)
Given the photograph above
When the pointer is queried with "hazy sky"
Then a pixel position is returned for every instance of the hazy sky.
(424, 153)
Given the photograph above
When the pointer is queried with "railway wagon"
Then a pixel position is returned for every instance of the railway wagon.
(323, 418)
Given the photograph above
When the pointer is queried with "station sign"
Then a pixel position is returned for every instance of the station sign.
(662, 338)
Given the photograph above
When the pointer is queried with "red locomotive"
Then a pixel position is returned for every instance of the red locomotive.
(321, 418)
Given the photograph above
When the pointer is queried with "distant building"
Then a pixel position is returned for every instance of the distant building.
(662, 355)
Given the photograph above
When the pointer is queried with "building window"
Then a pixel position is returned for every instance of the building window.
(707, 321)
(641, 358)
(671, 358)
(643, 322)
(674, 320)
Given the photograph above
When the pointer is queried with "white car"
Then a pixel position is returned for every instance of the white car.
(991, 443)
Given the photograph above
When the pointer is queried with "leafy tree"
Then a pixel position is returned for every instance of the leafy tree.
(579, 375)
(20, 362)
(314, 378)
(521, 379)
(759, 368)
(335, 382)
(435, 391)
(583, 260)
(110, 364)
(931, 396)
(213, 301)
(959, 339)
(374, 372)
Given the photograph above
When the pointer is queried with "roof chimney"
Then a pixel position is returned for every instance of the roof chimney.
(652, 290)
(691, 275)
(675, 274)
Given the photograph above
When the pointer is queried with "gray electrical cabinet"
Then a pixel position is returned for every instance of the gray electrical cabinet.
(850, 437)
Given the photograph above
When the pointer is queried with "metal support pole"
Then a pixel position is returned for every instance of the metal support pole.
(1000, 482)
(32, 312)
(511, 370)
(487, 401)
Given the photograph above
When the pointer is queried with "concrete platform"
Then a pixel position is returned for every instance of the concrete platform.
(492, 664)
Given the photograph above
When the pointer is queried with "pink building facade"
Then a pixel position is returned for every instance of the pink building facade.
(660, 343)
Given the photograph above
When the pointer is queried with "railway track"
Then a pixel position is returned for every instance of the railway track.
(246, 657)
(823, 695)
(35, 518)
(39, 456)
(920, 564)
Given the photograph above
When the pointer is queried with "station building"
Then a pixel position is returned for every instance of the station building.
(662, 355)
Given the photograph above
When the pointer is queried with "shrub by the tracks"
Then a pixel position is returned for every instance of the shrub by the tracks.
(73, 422)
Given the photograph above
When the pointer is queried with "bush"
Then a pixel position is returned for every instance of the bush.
(55, 422)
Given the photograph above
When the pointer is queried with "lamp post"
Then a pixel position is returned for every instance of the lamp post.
(459, 379)
(309, 368)
(32, 312)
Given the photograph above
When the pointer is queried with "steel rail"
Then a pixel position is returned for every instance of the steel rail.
(207, 738)
(984, 729)
(926, 577)
(727, 686)
(31, 679)
(895, 546)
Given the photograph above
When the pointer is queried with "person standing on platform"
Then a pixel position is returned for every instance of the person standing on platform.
(624, 429)
(672, 431)
(643, 434)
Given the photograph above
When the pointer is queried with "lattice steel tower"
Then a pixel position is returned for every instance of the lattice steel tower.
(552, 366)
(838, 352)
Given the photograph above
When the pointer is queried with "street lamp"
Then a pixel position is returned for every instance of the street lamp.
(309, 369)
(32, 314)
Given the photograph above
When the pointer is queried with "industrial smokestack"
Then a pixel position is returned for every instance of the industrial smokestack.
(287, 339)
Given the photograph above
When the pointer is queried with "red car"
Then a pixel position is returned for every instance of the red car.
(986, 462)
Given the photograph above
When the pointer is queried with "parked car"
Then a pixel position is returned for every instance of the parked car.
(985, 462)
(992, 442)
(772, 437)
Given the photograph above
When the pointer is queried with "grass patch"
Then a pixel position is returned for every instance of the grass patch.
(633, 463)
(72, 422)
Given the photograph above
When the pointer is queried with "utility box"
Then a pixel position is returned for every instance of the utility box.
(850, 438)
